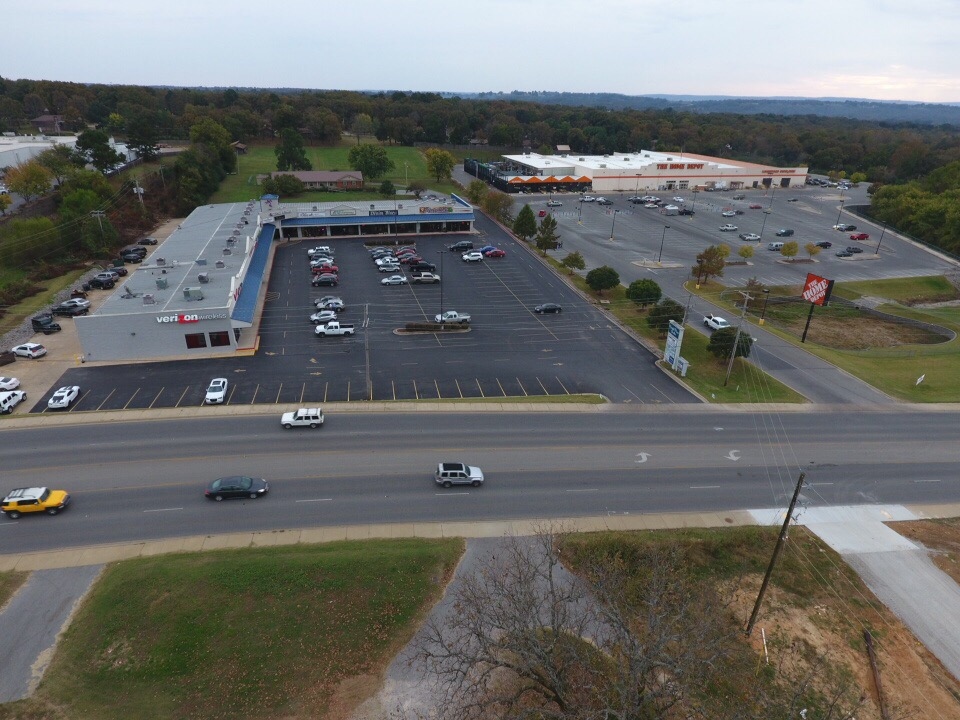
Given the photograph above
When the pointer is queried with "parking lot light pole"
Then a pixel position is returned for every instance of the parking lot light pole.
(441, 253)
(766, 296)
(665, 228)
(877, 252)
(580, 212)
(614, 223)
(841, 211)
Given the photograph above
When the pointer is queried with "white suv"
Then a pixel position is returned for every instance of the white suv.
(449, 474)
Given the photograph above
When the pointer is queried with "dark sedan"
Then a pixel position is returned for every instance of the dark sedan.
(237, 486)
(547, 308)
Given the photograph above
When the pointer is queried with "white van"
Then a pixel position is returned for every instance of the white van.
(9, 400)
(778, 246)
(671, 210)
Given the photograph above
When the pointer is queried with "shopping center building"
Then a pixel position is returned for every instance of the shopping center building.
(201, 290)
(639, 172)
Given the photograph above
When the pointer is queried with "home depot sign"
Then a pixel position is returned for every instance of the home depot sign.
(817, 289)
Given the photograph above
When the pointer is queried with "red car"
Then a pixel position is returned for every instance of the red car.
(542, 213)
(495, 253)
(859, 236)
(411, 259)
(326, 269)
(756, 206)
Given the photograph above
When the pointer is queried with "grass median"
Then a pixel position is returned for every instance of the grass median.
(254, 633)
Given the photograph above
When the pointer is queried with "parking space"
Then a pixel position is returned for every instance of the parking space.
(507, 350)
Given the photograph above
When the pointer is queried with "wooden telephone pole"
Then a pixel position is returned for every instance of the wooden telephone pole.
(776, 554)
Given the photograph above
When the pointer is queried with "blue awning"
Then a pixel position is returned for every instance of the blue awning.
(247, 302)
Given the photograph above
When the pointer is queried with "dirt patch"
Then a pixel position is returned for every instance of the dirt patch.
(853, 330)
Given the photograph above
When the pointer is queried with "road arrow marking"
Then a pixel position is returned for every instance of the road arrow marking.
(643, 457)
(733, 455)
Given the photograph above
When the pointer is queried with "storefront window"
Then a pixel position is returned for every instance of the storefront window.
(219, 339)
(195, 340)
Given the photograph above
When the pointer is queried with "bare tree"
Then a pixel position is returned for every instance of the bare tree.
(524, 638)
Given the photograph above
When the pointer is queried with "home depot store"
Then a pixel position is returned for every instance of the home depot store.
(645, 171)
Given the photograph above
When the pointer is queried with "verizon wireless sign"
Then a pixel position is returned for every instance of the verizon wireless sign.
(817, 289)
(185, 318)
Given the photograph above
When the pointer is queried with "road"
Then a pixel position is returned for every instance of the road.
(144, 480)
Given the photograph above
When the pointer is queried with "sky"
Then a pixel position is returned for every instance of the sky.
(874, 49)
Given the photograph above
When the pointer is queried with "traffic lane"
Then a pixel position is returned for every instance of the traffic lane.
(292, 502)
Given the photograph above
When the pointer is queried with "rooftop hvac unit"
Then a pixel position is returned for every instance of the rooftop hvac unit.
(161, 262)
(192, 293)
(161, 283)
(148, 299)
(201, 261)
(227, 251)
(580, 159)
(220, 264)
(203, 278)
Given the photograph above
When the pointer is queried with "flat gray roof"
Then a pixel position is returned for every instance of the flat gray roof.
(195, 247)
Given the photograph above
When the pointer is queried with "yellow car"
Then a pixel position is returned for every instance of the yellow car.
(34, 500)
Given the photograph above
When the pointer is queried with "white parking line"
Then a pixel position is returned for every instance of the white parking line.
(450, 494)
(163, 510)
(704, 487)
(315, 500)
(585, 490)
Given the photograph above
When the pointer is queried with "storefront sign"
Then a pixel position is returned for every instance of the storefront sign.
(185, 318)
(383, 212)
(680, 166)
(343, 211)
(432, 210)
(817, 289)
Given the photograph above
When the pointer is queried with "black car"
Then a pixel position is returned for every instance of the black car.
(98, 283)
(132, 257)
(236, 486)
(604, 201)
(325, 280)
(825, 244)
(855, 250)
(685, 211)
(44, 323)
(120, 270)
(461, 246)
(69, 310)
(422, 267)
(147, 241)
(547, 308)
(844, 253)
(739, 212)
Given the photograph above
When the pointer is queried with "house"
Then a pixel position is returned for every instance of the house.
(239, 148)
(48, 124)
(326, 179)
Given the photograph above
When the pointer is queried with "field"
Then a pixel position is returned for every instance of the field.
(306, 631)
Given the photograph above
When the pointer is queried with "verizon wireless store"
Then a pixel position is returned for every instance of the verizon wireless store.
(194, 296)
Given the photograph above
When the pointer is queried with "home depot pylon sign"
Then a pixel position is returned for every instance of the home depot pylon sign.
(817, 291)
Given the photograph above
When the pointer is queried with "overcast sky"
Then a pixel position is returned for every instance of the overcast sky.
(878, 49)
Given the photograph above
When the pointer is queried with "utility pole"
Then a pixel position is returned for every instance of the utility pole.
(776, 554)
(736, 338)
(138, 190)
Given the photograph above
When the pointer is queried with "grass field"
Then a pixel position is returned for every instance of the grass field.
(259, 633)
(409, 164)
(16, 314)
(893, 370)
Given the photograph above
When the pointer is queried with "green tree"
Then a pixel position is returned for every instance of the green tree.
(387, 189)
(498, 205)
(59, 160)
(724, 251)
(440, 163)
(142, 137)
(721, 343)
(812, 249)
(574, 261)
(324, 125)
(644, 292)
(662, 313)
(417, 187)
(290, 152)
(525, 226)
(790, 249)
(29, 179)
(745, 251)
(208, 133)
(709, 264)
(289, 185)
(5, 202)
(98, 236)
(547, 237)
(476, 191)
(602, 278)
(362, 125)
(94, 145)
(371, 160)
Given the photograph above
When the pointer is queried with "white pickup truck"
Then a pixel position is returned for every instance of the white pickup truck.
(452, 316)
(425, 277)
(304, 417)
(334, 328)
(715, 322)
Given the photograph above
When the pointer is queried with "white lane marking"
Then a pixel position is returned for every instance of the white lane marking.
(733, 455)
(925, 481)
(704, 487)
(315, 500)
(585, 490)
(163, 510)
(450, 494)
(643, 457)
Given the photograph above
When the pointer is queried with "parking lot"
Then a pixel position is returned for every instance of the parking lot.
(507, 351)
